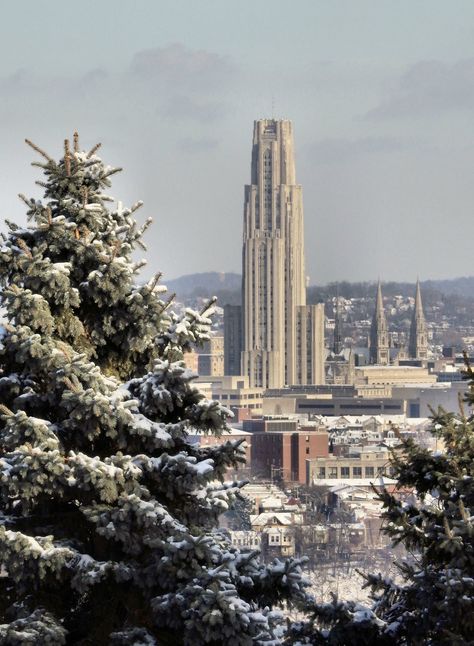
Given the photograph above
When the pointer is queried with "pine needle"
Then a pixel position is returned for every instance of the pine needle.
(22, 244)
(67, 158)
(112, 171)
(24, 199)
(93, 150)
(39, 150)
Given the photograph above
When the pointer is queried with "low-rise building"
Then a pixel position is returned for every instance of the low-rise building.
(366, 463)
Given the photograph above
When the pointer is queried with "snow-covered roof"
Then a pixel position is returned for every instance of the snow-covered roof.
(269, 518)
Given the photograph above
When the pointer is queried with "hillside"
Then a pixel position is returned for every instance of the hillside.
(227, 286)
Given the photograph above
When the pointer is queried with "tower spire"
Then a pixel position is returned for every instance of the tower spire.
(418, 343)
(337, 342)
(283, 338)
(378, 341)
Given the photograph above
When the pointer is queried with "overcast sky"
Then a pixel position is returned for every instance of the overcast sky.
(381, 94)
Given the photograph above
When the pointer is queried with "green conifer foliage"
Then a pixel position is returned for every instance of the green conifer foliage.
(433, 602)
(108, 512)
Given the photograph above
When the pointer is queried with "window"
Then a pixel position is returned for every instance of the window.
(307, 450)
(345, 472)
(357, 472)
(333, 472)
(369, 472)
(322, 472)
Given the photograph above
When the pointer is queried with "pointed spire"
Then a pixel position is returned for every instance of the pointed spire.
(418, 303)
(379, 299)
(337, 343)
(418, 342)
(378, 332)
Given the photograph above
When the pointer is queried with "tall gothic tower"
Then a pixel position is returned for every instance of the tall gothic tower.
(273, 268)
(378, 341)
(418, 343)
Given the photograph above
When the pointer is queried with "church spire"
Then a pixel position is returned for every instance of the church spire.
(337, 343)
(378, 341)
(418, 343)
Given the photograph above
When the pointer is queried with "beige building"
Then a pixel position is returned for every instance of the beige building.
(365, 465)
(283, 340)
(211, 357)
(393, 375)
(234, 392)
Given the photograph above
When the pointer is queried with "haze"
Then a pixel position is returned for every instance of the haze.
(381, 95)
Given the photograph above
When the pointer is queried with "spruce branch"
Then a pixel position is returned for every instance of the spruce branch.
(67, 158)
(154, 281)
(93, 150)
(76, 141)
(85, 195)
(4, 410)
(167, 303)
(22, 244)
(71, 386)
(40, 151)
(136, 206)
(24, 199)
(115, 250)
(112, 171)
(38, 164)
(208, 305)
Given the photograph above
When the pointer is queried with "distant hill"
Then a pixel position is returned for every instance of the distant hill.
(460, 286)
(227, 286)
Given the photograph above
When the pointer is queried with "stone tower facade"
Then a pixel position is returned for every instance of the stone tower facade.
(273, 267)
(378, 340)
(418, 342)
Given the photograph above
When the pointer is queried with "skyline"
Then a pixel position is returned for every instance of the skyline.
(380, 97)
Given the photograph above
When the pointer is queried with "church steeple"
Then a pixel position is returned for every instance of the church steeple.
(418, 343)
(337, 343)
(378, 341)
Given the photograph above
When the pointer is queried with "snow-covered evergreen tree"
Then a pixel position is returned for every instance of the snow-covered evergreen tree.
(108, 513)
(433, 603)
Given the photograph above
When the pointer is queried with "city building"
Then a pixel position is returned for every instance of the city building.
(211, 357)
(232, 339)
(280, 448)
(364, 464)
(283, 341)
(234, 392)
(418, 343)
(378, 340)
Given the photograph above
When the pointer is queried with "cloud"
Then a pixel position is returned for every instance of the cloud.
(429, 87)
(336, 150)
(180, 68)
(204, 144)
(179, 107)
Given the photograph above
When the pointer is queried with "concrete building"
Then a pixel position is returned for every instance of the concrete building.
(364, 465)
(232, 339)
(280, 449)
(393, 375)
(274, 352)
(211, 357)
(234, 392)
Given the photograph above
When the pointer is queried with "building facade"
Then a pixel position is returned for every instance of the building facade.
(211, 357)
(273, 267)
(378, 340)
(418, 343)
(232, 339)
